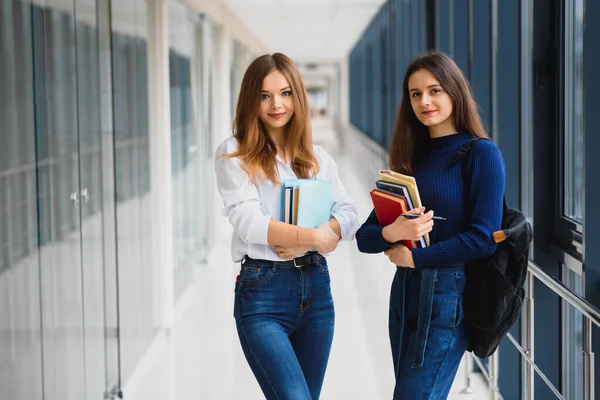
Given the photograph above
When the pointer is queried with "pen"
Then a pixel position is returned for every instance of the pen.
(412, 216)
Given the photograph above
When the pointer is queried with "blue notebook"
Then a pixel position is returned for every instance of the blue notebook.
(315, 199)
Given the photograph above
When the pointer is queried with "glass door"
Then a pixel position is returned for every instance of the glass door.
(97, 208)
(55, 85)
(185, 160)
(20, 314)
(75, 208)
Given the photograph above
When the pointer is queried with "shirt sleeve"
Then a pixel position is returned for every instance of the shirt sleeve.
(344, 208)
(241, 201)
(486, 191)
(369, 237)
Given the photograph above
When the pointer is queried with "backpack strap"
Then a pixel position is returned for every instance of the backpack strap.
(462, 152)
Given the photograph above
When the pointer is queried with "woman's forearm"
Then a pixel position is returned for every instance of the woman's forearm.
(286, 235)
(335, 226)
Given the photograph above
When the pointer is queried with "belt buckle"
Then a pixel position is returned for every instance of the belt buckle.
(295, 265)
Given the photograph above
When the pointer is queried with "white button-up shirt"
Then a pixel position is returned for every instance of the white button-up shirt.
(249, 206)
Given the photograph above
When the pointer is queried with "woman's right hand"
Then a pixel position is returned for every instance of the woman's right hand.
(409, 229)
(326, 240)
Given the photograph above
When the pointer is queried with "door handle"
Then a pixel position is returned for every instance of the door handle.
(84, 196)
(74, 199)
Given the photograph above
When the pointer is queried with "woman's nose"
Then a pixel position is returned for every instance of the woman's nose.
(425, 100)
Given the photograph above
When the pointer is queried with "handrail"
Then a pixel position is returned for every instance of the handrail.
(535, 367)
(567, 294)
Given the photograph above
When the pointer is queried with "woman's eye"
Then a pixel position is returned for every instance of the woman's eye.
(264, 96)
(415, 95)
(435, 91)
(287, 93)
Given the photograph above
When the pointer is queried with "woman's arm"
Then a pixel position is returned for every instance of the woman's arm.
(486, 190)
(373, 238)
(369, 236)
(344, 215)
(242, 207)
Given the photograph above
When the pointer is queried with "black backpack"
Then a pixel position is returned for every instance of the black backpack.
(494, 287)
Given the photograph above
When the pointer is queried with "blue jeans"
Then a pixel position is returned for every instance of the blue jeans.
(285, 320)
(426, 360)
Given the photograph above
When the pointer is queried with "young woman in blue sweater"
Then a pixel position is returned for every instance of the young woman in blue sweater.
(426, 326)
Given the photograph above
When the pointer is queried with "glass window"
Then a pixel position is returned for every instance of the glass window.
(184, 77)
(20, 313)
(573, 188)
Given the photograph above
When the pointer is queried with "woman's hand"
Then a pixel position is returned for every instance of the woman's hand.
(401, 256)
(292, 252)
(326, 240)
(409, 229)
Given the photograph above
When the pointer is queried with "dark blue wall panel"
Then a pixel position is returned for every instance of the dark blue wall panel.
(443, 16)
(508, 104)
(481, 67)
(460, 47)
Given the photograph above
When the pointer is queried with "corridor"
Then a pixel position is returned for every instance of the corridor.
(203, 358)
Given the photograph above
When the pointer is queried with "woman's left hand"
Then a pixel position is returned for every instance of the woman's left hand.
(292, 252)
(400, 256)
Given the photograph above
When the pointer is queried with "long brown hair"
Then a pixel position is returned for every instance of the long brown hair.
(410, 134)
(256, 149)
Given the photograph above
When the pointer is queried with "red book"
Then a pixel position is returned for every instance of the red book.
(388, 207)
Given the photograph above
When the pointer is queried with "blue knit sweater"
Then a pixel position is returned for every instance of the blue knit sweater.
(468, 194)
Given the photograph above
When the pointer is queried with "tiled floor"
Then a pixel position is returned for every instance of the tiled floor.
(202, 359)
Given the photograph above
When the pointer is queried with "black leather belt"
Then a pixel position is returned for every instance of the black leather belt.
(302, 261)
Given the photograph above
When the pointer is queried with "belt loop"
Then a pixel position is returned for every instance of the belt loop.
(428, 278)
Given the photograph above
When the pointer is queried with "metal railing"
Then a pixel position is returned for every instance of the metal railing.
(590, 315)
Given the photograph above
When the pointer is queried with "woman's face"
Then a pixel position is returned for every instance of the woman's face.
(430, 102)
(276, 105)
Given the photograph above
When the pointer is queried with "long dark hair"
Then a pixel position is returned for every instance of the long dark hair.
(410, 133)
(256, 150)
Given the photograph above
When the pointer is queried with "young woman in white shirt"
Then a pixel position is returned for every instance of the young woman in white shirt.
(283, 306)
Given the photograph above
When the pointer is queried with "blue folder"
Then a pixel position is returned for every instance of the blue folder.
(315, 200)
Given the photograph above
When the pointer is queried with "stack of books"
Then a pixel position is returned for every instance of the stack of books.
(306, 202)
(396, 194)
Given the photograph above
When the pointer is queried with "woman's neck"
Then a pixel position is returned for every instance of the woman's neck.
(441, 130)
(278, 137)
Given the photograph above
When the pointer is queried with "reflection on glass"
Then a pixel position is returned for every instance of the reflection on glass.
(574, 127)
(55, 86)
(89, 115)
(20, 330)
(132, 159)
(184, 69)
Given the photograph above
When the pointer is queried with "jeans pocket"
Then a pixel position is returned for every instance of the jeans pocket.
(323, 267)
(255, 275)
(447, 305)
(236, 296)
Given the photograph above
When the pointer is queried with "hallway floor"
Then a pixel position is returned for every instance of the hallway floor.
(202, 358)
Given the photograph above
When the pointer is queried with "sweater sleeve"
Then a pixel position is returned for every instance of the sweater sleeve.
(486, 191)
(369, 236)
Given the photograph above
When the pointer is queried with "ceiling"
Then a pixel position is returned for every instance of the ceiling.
(307, 30)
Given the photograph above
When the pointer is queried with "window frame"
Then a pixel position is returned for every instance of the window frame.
(568, 232)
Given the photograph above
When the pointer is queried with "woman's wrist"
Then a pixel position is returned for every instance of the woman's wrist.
(307, 237)
(389, 234)
(411, 261)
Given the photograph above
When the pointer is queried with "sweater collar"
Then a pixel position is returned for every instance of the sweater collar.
(447, 141)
